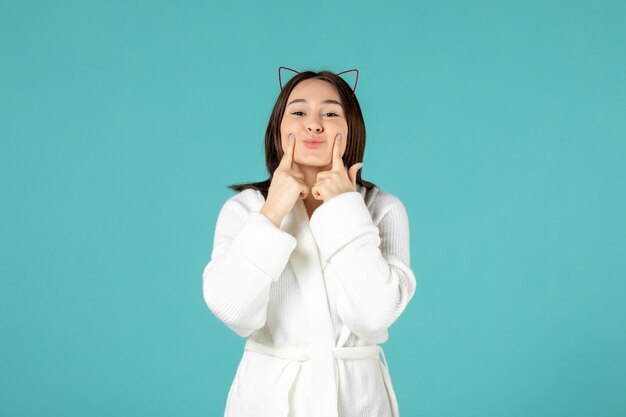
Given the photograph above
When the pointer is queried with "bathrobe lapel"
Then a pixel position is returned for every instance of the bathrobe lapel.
(306, 264)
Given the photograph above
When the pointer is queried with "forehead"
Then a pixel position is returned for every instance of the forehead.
(314, 89)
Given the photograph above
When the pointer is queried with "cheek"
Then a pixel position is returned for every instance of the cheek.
(285, 130)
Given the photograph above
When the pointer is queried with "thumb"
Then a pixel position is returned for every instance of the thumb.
(353, 171)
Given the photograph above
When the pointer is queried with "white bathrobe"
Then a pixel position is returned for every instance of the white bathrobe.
(314, 297)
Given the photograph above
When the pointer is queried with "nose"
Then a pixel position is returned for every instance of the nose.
(314, 125)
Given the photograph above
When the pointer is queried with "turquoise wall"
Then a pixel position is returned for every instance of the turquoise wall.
(501, 125)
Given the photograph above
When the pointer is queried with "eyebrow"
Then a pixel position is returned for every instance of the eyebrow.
(301, 100)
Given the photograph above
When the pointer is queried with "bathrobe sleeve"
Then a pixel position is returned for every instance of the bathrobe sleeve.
(249, 253)
(371, 261)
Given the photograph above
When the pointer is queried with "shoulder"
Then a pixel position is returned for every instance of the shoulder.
(380, 202)
(244, 201)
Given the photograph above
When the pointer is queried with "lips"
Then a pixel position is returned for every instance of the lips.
(313, 142)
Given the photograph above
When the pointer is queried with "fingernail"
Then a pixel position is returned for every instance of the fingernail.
(360, 165)
(291, 136)
(338, 136)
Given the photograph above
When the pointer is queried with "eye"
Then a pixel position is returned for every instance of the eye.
(332, 114)
(297, 113)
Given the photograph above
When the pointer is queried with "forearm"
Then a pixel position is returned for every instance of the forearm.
(237, 280)
(376, 289)
(369, 260)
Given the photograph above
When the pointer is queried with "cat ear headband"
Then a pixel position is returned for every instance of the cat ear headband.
(339, 73)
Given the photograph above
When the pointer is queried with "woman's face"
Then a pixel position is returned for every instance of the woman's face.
(314, 115)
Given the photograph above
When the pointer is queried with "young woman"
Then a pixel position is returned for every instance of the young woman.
(311, 265)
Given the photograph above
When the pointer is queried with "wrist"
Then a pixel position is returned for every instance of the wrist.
(274, 218)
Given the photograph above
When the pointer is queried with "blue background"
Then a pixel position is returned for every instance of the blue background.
(500, 125)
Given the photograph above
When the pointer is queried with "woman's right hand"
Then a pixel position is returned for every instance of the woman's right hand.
(286, 187)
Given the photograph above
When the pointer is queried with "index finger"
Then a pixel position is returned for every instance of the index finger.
(285, 162)
(337, 160)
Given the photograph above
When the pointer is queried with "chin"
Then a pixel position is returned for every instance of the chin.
(312, 162)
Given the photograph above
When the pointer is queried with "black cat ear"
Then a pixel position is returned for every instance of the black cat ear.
(355, 81)
(280, 82)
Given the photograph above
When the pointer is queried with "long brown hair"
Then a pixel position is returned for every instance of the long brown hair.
(356, 129)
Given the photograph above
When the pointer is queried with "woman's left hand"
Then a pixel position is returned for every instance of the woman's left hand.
(338, 180)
